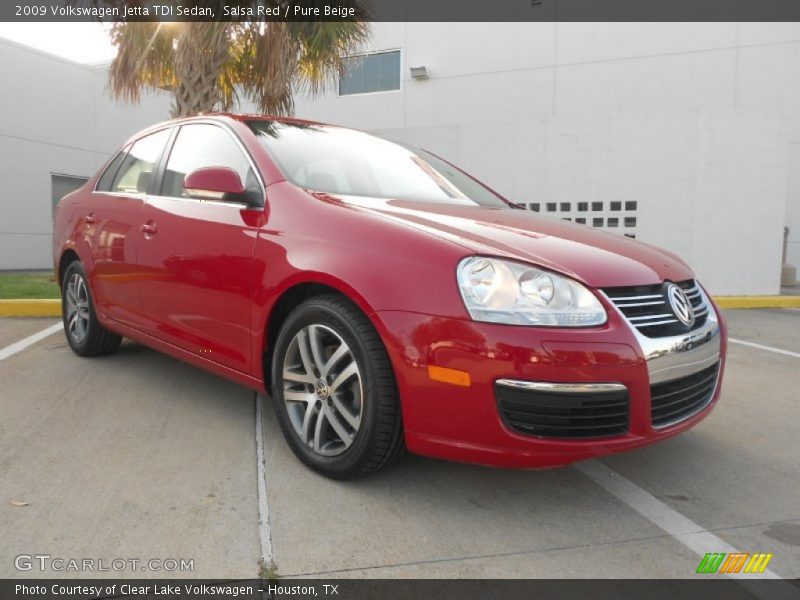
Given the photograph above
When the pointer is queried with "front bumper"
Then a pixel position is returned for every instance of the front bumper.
(464, 423)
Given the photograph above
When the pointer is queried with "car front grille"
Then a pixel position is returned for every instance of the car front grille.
(679, 399)
(646, 307)
(563, 415)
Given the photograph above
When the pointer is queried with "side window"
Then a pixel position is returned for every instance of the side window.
(133, 175)
(107, 178)
(199, 146)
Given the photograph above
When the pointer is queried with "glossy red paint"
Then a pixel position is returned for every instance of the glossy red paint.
(201, 281)
(462, 424)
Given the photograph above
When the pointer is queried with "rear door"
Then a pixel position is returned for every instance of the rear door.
(110, 217)
(197, 255)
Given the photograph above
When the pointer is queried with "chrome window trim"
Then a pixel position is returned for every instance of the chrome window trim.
(561, 388)
(140, 195)
(239, 205)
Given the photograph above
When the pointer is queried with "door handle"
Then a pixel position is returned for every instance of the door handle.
(149, 229)
(90, 219)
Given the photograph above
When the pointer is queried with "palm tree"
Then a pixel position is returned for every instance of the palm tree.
(209, 66)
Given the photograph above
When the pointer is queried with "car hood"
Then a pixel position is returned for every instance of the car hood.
(595, 257)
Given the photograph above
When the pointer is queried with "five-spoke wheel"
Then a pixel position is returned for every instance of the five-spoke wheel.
(77, 308)
(334, 391)
(85, 335)
(322, 390)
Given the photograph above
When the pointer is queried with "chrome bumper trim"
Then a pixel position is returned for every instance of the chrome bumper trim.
(677, 356)
(562, 388)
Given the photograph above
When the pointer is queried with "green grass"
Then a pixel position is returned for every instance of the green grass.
(28, 285)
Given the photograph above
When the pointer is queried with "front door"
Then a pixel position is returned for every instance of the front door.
(197, 255)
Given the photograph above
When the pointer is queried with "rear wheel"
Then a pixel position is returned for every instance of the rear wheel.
(85, 335)
(334, 390)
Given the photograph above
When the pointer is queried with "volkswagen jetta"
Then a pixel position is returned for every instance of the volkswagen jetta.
(384, 298)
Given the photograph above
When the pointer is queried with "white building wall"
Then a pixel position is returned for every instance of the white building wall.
(697, 123)
(693, 121)
(55, 117)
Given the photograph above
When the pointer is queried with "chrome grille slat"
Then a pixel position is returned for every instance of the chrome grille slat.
(658, 316)
(664, 322)
(647, 309)
(628, 298)
(642, 304)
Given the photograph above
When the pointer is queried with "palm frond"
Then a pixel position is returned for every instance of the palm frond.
(322, 45)
(144, 59)
(209, 65)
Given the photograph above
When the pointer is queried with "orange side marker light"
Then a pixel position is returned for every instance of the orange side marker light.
(452, 376)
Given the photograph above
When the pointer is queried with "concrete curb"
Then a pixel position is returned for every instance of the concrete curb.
(52, 308)
(757, 301)
(30, 308)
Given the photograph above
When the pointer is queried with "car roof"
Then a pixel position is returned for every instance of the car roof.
(262, 117)
(221, 116)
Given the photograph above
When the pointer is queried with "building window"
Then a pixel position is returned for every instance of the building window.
(61, 185)
(366, 73)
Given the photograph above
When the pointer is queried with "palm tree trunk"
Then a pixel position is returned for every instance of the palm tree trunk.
(201, 52)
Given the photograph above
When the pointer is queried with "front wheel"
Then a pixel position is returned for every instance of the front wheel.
(85, 335)
(334, 390)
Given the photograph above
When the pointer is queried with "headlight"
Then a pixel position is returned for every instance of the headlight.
(502, 291)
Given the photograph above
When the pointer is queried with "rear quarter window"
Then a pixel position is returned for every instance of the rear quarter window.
(136, 169)
(107, 178)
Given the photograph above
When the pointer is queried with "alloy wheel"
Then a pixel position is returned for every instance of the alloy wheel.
(77, 297)
(322, 390)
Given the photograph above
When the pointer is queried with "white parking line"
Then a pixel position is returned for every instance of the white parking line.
(265, 534)
(29, 341)
(683, 529)
(767, 348)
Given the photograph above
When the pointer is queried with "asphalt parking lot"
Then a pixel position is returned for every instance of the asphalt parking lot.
(138, 455)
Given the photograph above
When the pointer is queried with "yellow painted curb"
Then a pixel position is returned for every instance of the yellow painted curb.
(757, 301)
(30, 308)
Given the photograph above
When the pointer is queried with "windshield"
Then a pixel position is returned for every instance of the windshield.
(344, 161)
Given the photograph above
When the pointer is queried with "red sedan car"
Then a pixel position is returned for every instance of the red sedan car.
(383, 298)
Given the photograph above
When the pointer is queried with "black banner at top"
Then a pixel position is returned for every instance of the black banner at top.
(400, 10)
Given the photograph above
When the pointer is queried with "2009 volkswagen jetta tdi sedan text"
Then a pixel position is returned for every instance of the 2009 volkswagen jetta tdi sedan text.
(383, 297)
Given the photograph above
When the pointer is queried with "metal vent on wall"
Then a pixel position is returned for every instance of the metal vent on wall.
(619, 216)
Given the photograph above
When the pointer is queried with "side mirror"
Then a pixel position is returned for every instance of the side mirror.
(215, 183)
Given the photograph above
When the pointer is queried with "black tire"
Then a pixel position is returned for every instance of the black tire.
(378, 441)
(95, 340)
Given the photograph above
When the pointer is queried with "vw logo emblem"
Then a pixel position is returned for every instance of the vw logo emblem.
(321, 389)
(680, 305)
